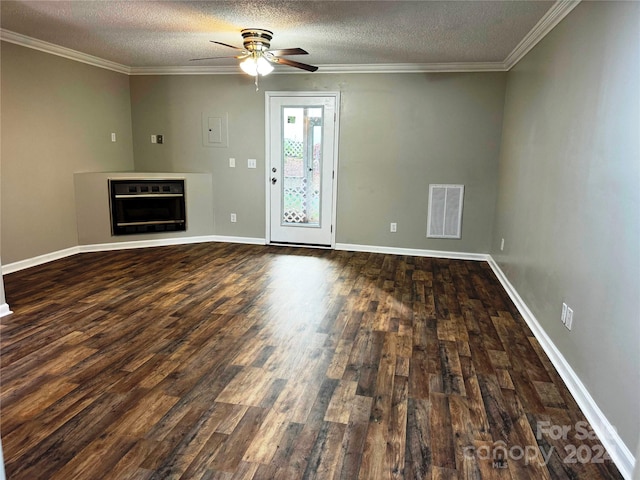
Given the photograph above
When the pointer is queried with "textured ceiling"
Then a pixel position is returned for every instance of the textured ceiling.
(147, 33)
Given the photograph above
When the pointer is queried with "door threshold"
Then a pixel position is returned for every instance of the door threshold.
(301, 245)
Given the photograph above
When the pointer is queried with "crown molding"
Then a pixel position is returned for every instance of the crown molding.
(414, 67)
(30, 42)
(554, 15)
(549, 20)
(358, 68)
(187, 70)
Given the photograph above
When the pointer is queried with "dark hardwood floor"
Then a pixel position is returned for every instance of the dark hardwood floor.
(250, 362)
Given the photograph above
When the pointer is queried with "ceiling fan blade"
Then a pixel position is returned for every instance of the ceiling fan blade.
(293, 63)
(215, 58)
(289, 51)
(226, 45)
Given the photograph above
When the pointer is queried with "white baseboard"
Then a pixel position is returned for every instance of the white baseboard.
(164, 242)
(245, 240)
(105, 247)
(352, 247)
(5, 310)
(39, 260)
(619, 452)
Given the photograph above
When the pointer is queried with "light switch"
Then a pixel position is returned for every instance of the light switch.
(232, 162)
(113, 137)
(251, 163)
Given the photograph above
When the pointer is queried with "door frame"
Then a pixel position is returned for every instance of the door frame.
(267, 162)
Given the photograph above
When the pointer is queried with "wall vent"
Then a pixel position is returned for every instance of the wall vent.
(445, 211)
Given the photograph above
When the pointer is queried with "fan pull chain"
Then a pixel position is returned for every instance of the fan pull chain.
(256, 82)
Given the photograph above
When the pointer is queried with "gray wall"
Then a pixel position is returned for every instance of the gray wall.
(399, 132)
(569, 198)
(57, 119)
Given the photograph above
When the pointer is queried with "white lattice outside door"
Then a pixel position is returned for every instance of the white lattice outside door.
(301, 144)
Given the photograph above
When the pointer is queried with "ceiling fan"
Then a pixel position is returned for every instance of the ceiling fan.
(256, 56)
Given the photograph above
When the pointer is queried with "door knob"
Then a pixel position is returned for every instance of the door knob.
(274, 170)
(274, 180)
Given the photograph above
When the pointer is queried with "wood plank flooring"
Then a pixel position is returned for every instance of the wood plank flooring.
(251, 362)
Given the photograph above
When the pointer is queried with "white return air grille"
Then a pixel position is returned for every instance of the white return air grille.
(445, 211)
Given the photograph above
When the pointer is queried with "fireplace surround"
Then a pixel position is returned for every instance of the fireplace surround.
(93, 208)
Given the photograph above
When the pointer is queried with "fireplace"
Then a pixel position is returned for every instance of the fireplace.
(147, 206)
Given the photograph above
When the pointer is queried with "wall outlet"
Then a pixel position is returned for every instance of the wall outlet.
(568, 321)
(251, 163)
(113, 137)
(563, 317)
(232, 162)
(153, 139)
(502, 245)
(233, 218)
(393, 227)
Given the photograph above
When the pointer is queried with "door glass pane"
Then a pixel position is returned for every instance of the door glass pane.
(301, 165)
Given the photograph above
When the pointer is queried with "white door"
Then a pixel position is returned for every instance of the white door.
(301, 148)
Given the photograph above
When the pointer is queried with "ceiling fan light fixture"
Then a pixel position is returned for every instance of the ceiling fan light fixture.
(264, 66)
(256, 65)
(249, 66)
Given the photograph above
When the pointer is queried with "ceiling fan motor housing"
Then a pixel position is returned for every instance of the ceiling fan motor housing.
(256, 39)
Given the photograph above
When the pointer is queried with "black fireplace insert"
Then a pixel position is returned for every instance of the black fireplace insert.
(147, 206)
